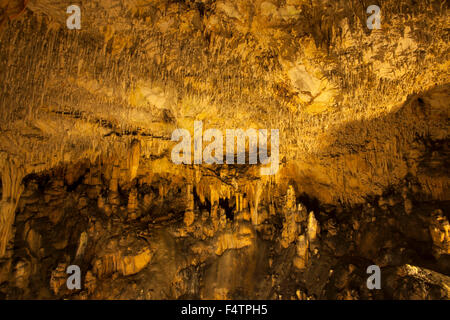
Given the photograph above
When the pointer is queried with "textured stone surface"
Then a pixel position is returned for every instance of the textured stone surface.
(86, 118)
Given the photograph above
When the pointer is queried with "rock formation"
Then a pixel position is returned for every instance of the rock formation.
(86, 123)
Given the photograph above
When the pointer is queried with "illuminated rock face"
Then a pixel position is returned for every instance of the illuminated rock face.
(86, 119)
(440, 233)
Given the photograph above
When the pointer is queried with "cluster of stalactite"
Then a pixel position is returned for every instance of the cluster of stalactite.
(12, 175)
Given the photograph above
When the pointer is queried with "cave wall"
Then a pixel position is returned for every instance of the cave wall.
(85, 126)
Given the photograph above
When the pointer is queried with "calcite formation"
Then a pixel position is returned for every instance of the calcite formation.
(86, 123)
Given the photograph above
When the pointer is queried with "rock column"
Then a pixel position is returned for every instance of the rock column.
(12, 175)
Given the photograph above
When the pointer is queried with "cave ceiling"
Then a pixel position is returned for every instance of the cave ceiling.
(358, 111)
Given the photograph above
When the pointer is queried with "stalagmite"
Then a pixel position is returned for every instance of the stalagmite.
(313, 227)
(359, 145)
(290, 198)
(290, 226)
(133, 204)
(301, 258)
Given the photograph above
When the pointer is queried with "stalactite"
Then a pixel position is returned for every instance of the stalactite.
(134, 155)
(12, 175)
(257, 197)
(238, 204)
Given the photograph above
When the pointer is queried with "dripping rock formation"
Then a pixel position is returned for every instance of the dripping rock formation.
(87, 178)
